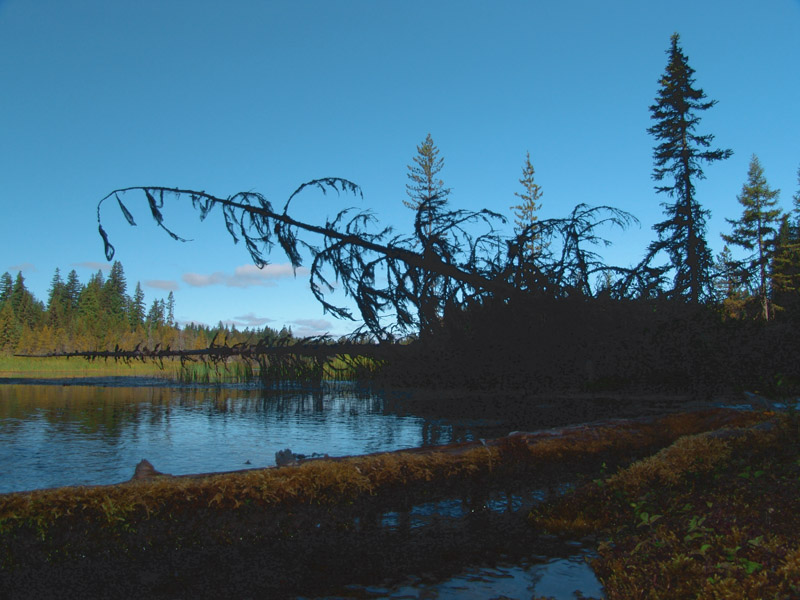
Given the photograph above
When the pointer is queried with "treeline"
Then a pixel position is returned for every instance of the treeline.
(100, 315)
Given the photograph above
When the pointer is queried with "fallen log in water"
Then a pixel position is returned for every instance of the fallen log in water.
(297, 529)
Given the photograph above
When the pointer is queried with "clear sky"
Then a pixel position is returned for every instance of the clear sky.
(257, 95)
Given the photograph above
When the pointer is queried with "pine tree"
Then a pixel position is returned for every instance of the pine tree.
(786, 260)
(170, 308)
(56, 302)
(428, 197)
(10, 329)
(114, 299)
(56, 289)
(525, 211)
(136, 311)
(27, 310)
(6, 285)
(73, 290)
(679, 154)
(729, 284)
(155, 316)
(756, 230)
(426, 192)
(90, 311)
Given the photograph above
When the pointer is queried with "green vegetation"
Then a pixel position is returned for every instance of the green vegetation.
(756, 232)
(100, 315)
(712, 516)
(16, 366)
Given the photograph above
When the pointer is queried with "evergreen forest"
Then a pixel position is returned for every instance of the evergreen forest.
(100, 315)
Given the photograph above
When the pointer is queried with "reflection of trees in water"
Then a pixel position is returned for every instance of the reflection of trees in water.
(93, 409)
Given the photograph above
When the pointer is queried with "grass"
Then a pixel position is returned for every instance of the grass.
(710, 516)
(16, 366)
(233, 371)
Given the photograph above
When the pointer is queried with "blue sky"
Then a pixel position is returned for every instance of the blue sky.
(227, 97)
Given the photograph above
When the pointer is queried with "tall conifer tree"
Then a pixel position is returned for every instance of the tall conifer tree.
(137, 307)
(56, 302)
(786, 261)
(525, 211)
(114, 298)
(426, 190)
(677, 157)
(428, 197)
(756, 230)
(73, 290)
(6, 285)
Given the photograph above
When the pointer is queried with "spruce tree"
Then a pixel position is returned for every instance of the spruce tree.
(10, 329)
(525, 212)
(91, 311)
(56, 302)
(729, 284)
(73, 289)
(156, 316)
(428, 197)
(756, 230)
(677, 157)
(426, 192)
(27, 310)
(786, 260)
(113, 296)
(170, 309)
(6, 285)
(136, 312)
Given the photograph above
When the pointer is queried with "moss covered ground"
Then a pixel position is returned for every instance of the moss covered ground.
(714, 515)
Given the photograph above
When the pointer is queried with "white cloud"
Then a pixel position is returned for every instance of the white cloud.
(26, 266)
(251, 320)
(197, 280)
(243, 276)
(310, 327)
(162, 284)
(94, 266)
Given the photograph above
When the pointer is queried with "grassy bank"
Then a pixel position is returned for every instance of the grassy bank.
(712, 516)
(16, 366)
(337, 368)
(287, 368)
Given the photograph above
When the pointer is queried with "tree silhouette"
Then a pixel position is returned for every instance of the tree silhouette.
(757, 230)
(382, 271)
(679, 154)
(426, 189)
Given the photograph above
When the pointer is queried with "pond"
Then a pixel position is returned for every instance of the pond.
(91, 431)
(87, 432)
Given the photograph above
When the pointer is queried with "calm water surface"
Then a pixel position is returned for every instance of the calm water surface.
(70, 433)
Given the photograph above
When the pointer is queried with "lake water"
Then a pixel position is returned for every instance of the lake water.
(70, 433)
(94, 431)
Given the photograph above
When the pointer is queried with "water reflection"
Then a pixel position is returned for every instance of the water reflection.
(560, 578)
(71, 434)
